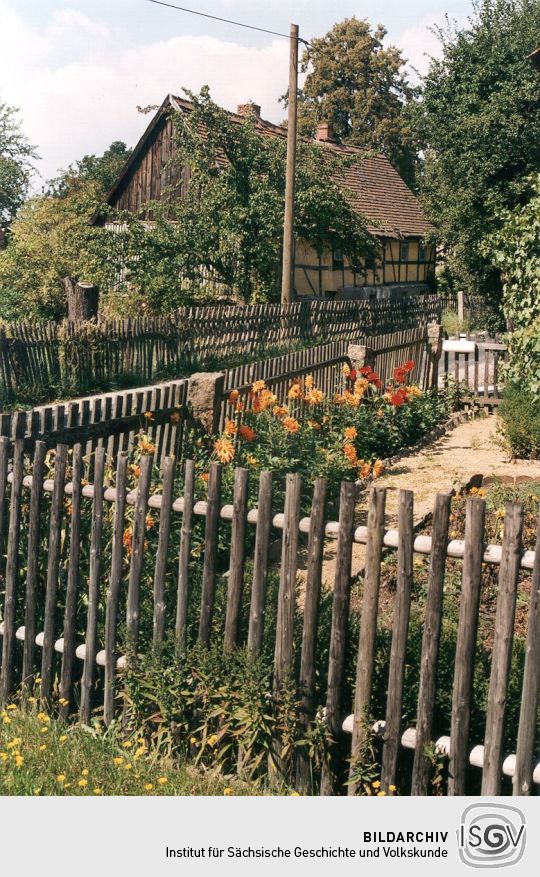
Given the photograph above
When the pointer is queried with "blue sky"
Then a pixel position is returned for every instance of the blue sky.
(78, 69)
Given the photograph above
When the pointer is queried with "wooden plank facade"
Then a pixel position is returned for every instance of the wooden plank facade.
(404, 257)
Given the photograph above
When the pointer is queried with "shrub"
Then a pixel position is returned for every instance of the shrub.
(520, 422)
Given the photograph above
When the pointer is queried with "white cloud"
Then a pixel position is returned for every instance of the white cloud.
(78, 87)
(79, 101)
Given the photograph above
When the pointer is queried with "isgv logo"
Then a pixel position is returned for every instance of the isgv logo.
(491, 835)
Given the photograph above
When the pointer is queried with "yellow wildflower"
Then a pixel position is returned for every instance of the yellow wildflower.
(228, 791)
(118, 760)
(97, 791)
(60, 778)
(85, 772)
(82, 783)
(162, 781)
(148, 787)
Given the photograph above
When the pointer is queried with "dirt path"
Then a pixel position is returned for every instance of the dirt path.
(469, 449)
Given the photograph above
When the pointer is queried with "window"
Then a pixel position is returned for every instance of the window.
(422, 253)
(337, 260)
(404, 252)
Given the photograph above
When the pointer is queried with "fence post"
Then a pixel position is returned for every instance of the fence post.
(361, 355)
(205, 395)
(461, 305)
(434, 344)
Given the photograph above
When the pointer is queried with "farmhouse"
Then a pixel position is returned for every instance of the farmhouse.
(405, 260)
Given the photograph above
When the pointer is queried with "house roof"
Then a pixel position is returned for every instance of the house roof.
(375, 187)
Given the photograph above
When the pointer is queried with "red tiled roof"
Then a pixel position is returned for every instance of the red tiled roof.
(375, 187)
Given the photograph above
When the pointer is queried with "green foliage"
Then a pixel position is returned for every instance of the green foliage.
(226, 224)
(359, 86)
(40, 756)
(54, 236)
(101, 169)
(520, 422)
(343, 437)
(515, 249)
(16, 156)
(479, 125)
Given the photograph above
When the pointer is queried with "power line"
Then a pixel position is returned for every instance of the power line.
(225, 20)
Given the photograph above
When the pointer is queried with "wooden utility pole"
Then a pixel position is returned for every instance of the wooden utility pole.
(287, 278)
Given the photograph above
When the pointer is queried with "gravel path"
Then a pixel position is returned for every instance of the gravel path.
(469, 449)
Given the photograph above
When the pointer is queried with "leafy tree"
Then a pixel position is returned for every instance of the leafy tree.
(16, 156)
(228, 222)
(52, 238)
(101, 169)
(479, 124)
(515, 250)
(359, 86)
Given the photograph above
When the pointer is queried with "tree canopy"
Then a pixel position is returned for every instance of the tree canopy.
(479, 124)
(16, 157)
(100, 169)
(360, 87)
(515, 250)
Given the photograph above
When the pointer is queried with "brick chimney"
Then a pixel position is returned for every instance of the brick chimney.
(249, 109)
(324, 132)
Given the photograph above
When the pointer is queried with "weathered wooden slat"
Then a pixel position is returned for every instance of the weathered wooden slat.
(210, 554)
(12, 574)
(237, 557)
(502, 649)
(306, 686)
(93, 588)
(72, 587)
(396, 672)
(32, 569)
(338, 632)
(114, 589)
(465, 645)
(160, 571)
(528, 728)
(430, 644)
(53, 565)
(368, 628)
(284, 650)
(183, 559)
(260, 564)
(137, 554)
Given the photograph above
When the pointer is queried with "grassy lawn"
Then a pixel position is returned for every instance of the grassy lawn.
(42, 756)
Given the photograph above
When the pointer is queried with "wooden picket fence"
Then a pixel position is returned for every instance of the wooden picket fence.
(475, 372)
(112, 420)
(63, 604)
(418, 344)
(46, 360)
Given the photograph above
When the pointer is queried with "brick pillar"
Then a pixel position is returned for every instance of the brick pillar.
(205, 396)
